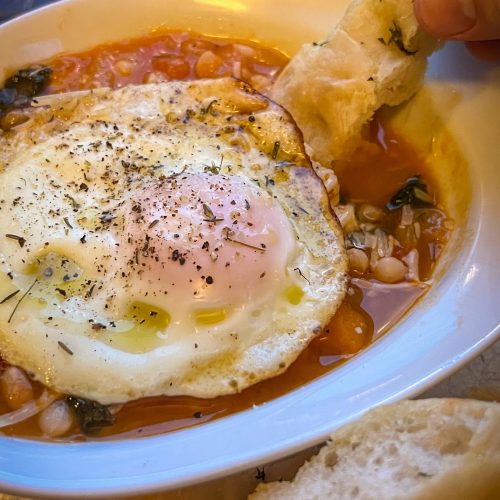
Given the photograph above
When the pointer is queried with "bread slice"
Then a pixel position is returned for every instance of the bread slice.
(376, 55)
(424, 449)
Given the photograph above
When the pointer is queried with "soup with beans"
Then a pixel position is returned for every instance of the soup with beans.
(395, 229)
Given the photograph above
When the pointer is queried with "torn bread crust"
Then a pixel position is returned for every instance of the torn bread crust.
(377, 55)
(425, 449)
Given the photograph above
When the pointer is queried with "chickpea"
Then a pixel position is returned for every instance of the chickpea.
(358, 260)
(56, 419)
(390, 270)
(16, 387)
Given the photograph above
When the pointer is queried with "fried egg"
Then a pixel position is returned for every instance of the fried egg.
(162, 239)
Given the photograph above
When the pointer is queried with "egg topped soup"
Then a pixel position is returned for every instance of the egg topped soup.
(168, 248)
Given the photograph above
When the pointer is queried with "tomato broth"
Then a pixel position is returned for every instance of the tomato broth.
(371, 178)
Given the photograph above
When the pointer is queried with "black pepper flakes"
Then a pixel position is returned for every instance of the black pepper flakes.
(260, 474)
(65, 348)
(276, 148)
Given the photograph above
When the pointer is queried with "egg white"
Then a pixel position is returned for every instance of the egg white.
(87, 248)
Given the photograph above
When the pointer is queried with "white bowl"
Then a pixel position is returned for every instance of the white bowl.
(450, 325)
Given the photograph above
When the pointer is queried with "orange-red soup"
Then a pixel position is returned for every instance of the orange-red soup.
(371, 177)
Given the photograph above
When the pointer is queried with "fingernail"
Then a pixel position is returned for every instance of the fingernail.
(447, 18)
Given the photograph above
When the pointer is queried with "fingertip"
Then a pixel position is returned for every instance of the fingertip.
(421, 15)
(445, 18)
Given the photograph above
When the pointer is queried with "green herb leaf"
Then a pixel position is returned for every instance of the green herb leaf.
(7, 98)
(29, 81)
(91, 416)
(414, 192)
(396, 37)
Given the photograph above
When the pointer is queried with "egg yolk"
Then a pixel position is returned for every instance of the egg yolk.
(201, 245)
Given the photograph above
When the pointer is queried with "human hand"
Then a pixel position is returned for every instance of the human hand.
(476, 22)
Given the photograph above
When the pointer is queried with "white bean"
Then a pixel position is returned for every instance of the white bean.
(411, 260)
(56, 419)
(347, 217)
(358, 260)
(155, 77)
(124, 67)
(389, 270)
(369, 213)
(244, 50)
(16, 387)
(207, 65)
(237, 69)
(260, 82)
